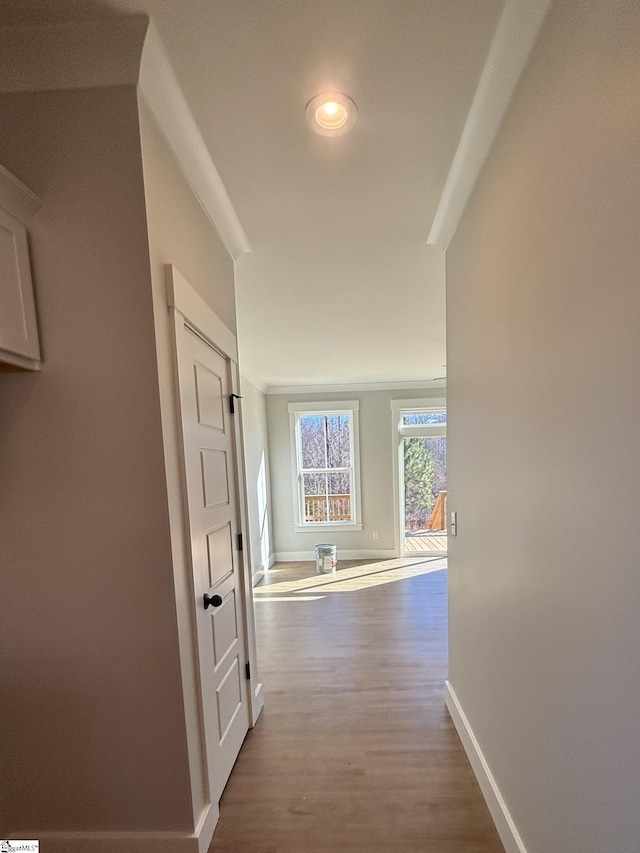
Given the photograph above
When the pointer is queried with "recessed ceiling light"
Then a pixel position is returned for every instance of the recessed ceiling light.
(331, 113)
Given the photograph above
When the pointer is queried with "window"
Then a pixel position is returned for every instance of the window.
(326, 465)
(424, 418)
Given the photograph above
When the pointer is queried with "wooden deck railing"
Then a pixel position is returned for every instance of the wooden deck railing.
(438, 519)
(315, 508)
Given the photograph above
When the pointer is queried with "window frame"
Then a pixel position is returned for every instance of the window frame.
(351, 408)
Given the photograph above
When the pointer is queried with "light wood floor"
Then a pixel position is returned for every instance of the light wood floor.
(354, 751)
(433, 541)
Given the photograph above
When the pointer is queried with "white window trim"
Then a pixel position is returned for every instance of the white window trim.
(341, 407)
(402, 407)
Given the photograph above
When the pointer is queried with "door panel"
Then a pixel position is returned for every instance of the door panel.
(219, 554)
(229, 699)
(225, 629)
(213, 512)
(215, 477)
(209, 398)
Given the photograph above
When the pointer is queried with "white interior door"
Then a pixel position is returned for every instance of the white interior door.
(213, 509)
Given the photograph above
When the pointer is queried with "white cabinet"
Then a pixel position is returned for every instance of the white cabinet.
(19, 345)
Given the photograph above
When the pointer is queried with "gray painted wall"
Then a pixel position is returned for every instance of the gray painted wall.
(93, 705)
(544, 404)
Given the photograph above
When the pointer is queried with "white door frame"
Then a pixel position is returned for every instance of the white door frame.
(188, 308)
(398, 408)
(186, 304)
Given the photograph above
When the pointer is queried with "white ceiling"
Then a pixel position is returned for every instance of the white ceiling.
(340, 285)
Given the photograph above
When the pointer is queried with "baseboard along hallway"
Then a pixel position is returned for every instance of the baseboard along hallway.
(355, 751)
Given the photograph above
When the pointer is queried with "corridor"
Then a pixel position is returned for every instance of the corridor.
(354, 752)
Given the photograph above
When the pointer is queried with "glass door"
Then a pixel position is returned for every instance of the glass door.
(423, 479)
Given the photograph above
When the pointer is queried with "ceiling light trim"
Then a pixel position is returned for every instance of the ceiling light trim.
(515, 36)
(331, 113)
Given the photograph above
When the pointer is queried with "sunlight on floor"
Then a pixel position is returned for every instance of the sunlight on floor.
(348, 580)
(290, 598)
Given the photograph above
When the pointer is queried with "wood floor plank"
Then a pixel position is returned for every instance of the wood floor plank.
(354, 751)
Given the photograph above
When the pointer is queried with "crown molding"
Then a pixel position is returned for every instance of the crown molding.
(253, 380)
(161, 90)
(517, 30)
(17, 199)
(121, 51)
(415, 385)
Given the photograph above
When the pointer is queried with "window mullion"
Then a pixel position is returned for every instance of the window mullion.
(326, 441)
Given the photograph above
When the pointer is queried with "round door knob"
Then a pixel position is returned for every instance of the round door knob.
(213, 600)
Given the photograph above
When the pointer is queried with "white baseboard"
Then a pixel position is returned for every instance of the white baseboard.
(118, 842)
(130, 842)
(259, 573)
(304, 556)
(499, 812)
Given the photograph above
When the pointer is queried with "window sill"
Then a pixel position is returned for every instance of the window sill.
(347, 527)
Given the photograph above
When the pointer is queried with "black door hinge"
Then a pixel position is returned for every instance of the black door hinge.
(247, 669)
(239, 541)
(232, 402)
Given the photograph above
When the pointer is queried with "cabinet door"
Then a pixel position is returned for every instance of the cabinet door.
(18, 329)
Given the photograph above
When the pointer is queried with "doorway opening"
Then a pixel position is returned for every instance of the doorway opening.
(422, 479)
